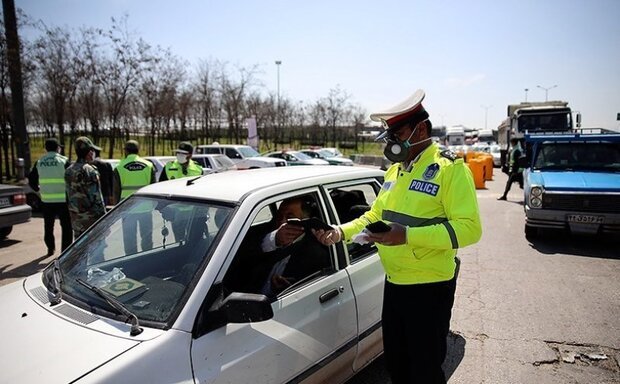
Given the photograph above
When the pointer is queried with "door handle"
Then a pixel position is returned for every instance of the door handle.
(328, 295)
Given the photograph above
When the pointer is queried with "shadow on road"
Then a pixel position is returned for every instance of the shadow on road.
(376, 372)
(552, 242)
(28, 269)
(8, 243)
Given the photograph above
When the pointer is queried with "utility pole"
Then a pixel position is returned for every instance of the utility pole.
(526, 89)
(15, 73)
(486, 112)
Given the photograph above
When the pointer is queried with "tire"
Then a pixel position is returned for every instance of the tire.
(531, 233)
(4, 232)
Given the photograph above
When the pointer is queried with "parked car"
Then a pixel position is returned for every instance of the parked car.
(215, 162)
(573, 182)
(333, 151)
(13, 208)
(327, 156)
(244, 156)
(495, 151)
(181, 310)
(159, 162)
(296, 158)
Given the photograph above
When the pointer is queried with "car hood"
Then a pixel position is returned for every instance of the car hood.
(45, 344)
(575, 181)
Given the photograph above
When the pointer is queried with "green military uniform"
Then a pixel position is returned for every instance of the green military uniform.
(84, 198)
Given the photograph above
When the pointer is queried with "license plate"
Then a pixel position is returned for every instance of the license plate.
(588, 219)
(5, 201)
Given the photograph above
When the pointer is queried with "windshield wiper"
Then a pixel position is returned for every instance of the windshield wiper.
(135, 325)
(56, 281)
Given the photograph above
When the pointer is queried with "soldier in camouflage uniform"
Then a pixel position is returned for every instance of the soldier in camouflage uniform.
(84, 197)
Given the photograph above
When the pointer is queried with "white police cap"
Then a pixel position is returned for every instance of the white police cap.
(409, 110)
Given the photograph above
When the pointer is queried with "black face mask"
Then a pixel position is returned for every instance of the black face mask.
(397, 151)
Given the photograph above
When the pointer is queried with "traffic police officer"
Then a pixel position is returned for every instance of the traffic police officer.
(84, 198)
(47, 177)
(428, 198)
(183, 166)
(131, 174)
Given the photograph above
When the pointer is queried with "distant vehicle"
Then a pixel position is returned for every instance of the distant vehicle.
(215, 162)
(13, 208)
(455, 135)
(495, 152)
(334, 151)
(327, 156)
(485, 136)
(159, 162)
(244, 156)
(573, 182)
(296, 158)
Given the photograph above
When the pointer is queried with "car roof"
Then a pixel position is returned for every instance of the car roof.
(222, 145)
(233, 186)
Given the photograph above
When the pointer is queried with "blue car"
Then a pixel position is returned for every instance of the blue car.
(573, 182)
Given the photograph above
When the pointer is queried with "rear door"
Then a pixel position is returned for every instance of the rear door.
(312, 335)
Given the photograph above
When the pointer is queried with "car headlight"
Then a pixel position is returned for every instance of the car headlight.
(536, 191)
(535, 202)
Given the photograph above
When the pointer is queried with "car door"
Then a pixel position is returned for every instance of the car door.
(349, 200)
(312, 334)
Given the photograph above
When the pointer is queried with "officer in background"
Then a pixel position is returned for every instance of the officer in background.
(48, 178)
(428, 199)
(131, 174)
(515, 172)
(84, 198)
(105, 178)
(183, 166)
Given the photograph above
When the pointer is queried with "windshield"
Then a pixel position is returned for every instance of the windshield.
(248, 152)
(578, 156)
(145, 253)
(300, 155)
(326, 154)
(544, 122)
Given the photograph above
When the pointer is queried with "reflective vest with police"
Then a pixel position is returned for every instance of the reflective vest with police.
(174, 170)
(436, 201)
(51, 170)
(134, 173)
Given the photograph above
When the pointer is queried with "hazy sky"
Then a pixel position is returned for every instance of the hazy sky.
(471, 57)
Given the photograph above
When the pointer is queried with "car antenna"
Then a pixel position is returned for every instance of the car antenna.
(191, 181)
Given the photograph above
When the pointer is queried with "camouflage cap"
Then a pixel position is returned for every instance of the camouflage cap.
(132, 145)
(84, 143)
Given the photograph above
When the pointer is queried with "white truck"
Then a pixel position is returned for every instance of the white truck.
(455, 135)
(244, 156)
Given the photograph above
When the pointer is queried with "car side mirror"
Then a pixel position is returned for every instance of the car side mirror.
(246, 308)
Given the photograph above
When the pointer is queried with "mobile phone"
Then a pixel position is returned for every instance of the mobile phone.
(378, 227)
(310, 223)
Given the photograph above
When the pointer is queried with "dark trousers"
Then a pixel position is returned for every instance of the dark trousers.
(416, 321)
(515, 176)
(50, 212)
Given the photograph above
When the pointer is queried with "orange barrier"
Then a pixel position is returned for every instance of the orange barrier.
(488, 166)
(477, 169)
(470, 155)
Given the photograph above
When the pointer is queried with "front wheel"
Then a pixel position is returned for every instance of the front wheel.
(531, 232)
(4, 232)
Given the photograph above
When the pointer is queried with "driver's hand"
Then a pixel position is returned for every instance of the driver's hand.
(329, 237)
(287, 233)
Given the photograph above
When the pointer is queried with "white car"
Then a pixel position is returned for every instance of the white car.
(185, 309)
(244, 156)
(215, 163)
(159, 162)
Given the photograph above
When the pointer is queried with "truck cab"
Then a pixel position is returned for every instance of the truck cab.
(573, 182)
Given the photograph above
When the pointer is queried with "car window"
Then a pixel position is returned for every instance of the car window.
(265, 266)
(232, 153)
(350, 203)
(210, 150)
(155, 245)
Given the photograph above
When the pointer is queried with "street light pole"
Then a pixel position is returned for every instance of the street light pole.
(278, 62)
(547, 90)
(526, 89)
(486, 110)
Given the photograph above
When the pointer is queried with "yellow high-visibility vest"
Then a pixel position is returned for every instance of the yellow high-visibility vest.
(51, 170)
(134, 173)
(436, 202)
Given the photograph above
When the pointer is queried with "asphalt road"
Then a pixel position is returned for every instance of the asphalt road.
(543, 312)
